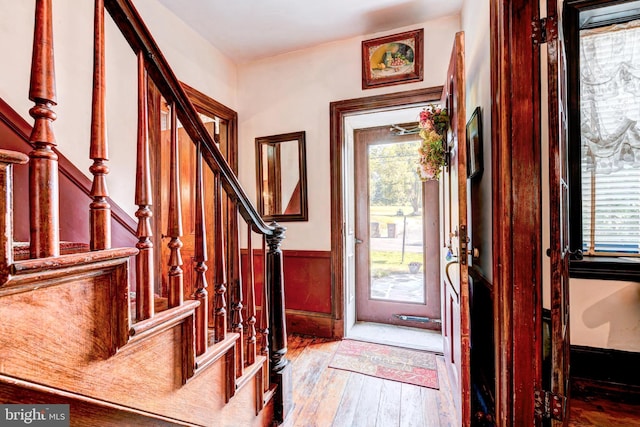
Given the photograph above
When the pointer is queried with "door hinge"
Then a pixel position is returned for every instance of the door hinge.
(550, 405)
(544, 30)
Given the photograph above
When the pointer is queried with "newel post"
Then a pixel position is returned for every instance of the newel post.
(280, 366)
(7, 160)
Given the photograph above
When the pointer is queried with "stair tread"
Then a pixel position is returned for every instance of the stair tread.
(21, 249)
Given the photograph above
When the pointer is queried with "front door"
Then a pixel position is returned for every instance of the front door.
(455, 254)
(396, 232)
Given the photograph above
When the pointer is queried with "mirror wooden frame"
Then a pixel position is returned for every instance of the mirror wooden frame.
(276, 172)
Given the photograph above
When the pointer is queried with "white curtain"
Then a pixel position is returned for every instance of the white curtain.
(610, 97)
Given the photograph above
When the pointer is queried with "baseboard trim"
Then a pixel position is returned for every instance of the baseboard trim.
(310, 323)
(605, 372)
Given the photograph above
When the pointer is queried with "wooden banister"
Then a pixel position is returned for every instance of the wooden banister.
(174, 226)
(215, 324)
(200, 258)
(144, 265)
(43, 166)
(139, 38)
(99, 209)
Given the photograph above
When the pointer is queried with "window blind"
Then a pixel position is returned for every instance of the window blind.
(610, 114)
(611, 211)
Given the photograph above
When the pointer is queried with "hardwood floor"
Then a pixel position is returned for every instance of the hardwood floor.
(601, 412)
(325, 396)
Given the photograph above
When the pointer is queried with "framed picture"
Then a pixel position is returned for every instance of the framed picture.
(474, 144)
(392, 60)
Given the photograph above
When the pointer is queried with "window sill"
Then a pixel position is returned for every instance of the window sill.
(606, 268)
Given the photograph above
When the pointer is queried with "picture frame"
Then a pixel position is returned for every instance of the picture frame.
(392, 60)
(474, 144)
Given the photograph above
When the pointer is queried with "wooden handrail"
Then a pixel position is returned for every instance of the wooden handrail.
(139, 38)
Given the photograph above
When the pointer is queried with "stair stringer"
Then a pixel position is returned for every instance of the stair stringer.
(63, 326)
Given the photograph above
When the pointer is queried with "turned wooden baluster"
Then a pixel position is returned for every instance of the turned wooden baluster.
(264, 317)
(220, 273)
(237, 323)
(43, 166)
(174, 226)
(251, 304)
(280, 366)
(99, 208)
(200, 257)
(144, 261)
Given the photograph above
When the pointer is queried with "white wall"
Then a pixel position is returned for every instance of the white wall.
(292, 92)
(605, 314)
(475, 23)
(194, 61)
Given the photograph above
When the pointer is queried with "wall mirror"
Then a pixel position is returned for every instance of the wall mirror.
(282, 177)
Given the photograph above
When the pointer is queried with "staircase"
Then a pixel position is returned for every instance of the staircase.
(88, 325)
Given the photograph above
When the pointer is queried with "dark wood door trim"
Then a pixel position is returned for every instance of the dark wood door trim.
(338, 111)
(517, 246)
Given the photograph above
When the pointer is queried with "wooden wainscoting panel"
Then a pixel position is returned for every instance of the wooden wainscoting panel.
(307, 276)
(309, 323)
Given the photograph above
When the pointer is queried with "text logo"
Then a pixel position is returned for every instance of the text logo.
(34, 415)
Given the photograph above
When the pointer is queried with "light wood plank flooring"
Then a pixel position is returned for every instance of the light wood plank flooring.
(326, 397)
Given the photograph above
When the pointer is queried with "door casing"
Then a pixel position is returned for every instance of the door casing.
(339, 110)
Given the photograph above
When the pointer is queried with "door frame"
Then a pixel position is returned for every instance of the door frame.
(338, 111)
(517, 208)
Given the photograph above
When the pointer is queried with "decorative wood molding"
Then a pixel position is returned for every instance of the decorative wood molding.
(310, 323)
(338, 110)
(617, 369)
(23, 129)
(516, 220)
(84, 409)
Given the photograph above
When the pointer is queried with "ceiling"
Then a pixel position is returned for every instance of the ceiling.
(247, 30)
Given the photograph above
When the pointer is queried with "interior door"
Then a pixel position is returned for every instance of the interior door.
(396, 270)
(454, 227)
(559, 221)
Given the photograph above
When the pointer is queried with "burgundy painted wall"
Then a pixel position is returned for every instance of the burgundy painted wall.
(74, 190)
(307, 276)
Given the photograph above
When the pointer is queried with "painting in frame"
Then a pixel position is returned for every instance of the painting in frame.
(474, 144)
(392, 60)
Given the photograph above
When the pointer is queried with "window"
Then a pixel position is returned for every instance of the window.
(603, 68)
